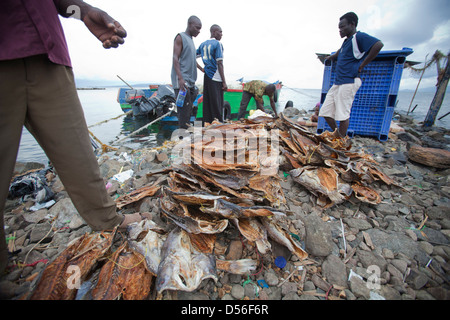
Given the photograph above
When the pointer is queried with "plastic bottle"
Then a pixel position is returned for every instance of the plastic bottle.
(180, 98)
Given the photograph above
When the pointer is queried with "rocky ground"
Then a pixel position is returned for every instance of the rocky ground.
(396, 250)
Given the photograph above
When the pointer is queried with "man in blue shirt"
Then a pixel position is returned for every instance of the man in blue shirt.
(211, 52)
(357, 51)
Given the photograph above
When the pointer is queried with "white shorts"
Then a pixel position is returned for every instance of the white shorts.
(339, 100)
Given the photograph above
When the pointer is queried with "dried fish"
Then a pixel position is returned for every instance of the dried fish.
(182, 267)
(59, 278)
(253, 231)
(282, 237)
(322, 181)
(191, 218)
(123, 275)
(271, 188)
(147, 239)
(197, 198)
(233, 211)
(366, 194)
(136, 195)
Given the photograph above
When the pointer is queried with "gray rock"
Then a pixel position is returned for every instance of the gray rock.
(41, 232)
(291, 296)
(359, 288)
(271, 277)
(237, 292)
(396, 242)
(360, 224)
(387, 209)
(335, 271)
(66, 214)
(369, 258)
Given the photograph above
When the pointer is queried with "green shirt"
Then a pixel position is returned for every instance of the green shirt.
(257, 88)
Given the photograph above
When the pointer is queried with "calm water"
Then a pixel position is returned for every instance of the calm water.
(101, 105)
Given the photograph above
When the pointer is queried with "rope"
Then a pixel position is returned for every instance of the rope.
(115, 118)
(437, 56)
(105, 147)
(145, 126)
(301, 92)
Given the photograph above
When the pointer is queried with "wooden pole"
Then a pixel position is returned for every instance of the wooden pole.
(438, 97)
(424, 68)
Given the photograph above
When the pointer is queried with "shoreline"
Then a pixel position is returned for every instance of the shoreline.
(416, 217)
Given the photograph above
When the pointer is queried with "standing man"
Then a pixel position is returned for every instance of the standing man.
(357, 51)
(184, 69)
(37, 90)
(211, 52)
(257, 89)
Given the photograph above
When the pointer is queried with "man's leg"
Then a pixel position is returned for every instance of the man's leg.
(328, 109)
(216, 100)
(12, 116)
(56, 119)
(331, 123)
(207, 101)
(344, 101)
(246, 96)
(184, 113)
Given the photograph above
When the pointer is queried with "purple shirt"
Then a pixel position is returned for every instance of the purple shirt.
(31, 27)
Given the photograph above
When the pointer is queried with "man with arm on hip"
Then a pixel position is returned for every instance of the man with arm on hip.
(357, 51)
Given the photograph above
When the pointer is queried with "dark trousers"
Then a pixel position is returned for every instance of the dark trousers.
(212, 100)
(42, 96)
(246, 96)
(184, 113)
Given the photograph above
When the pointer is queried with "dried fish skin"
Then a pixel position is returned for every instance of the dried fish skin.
(282, 237)
(271, 188)
(335, 141)
(203, 242)
(322, 182)
(243, 266)
(182, 267)
(124, 275)
(197, 198)
(366, 194)
(253, 231)
(136, 195)
(136, 229)
(233, 211)
(191, 220)
(83, 253)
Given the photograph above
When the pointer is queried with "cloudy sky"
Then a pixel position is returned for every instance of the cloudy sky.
(267, 40)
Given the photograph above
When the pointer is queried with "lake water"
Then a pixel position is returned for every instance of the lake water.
(99, 105)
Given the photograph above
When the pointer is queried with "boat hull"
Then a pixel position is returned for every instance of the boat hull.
(232, 96)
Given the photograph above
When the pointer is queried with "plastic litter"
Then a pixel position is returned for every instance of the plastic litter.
(123, 176)
(280, 262)
(32, 186)
(258, 113)
(262, 283)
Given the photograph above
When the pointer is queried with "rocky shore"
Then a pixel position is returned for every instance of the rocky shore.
(396, 250)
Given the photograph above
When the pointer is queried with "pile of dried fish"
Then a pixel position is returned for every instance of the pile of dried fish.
(226, 175)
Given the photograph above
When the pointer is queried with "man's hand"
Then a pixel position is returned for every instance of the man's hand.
(182, 84)
(105, 28)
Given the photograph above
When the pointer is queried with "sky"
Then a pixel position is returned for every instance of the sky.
(264, 40)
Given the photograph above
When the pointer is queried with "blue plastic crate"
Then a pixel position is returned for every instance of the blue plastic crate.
(374, 103)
